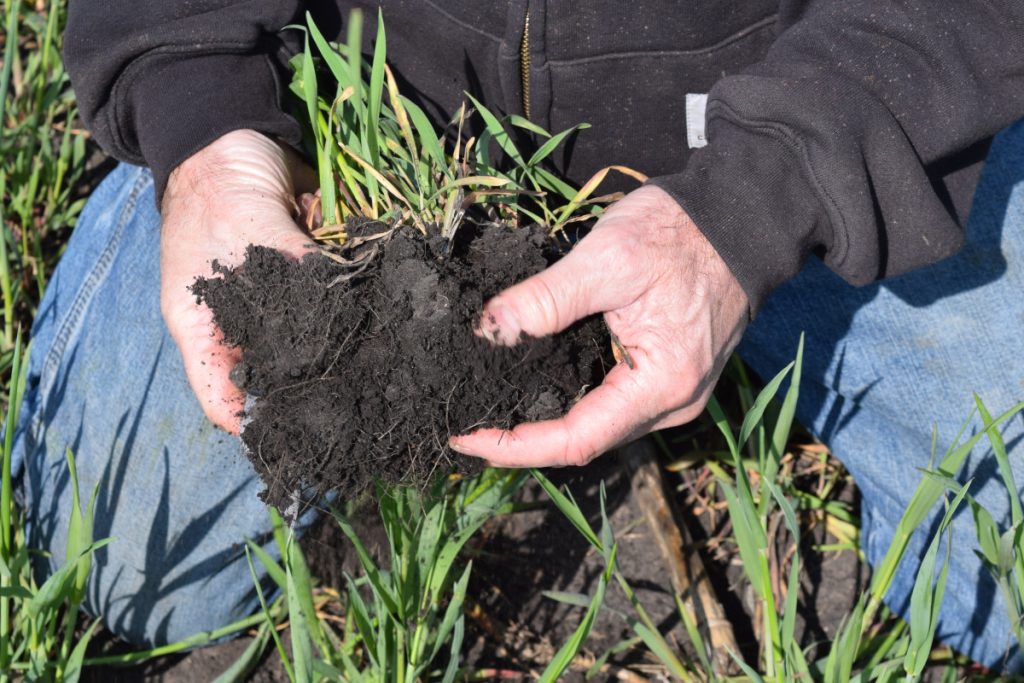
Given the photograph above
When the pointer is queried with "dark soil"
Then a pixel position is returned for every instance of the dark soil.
(362, 370)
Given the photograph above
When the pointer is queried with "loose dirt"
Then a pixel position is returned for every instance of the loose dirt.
(362, 369)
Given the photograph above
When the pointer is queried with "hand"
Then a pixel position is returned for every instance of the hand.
(239, 190)
(667, 296)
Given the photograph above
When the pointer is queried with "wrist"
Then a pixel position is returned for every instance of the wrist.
(244, 165)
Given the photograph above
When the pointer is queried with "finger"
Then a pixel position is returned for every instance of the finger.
(679, 417)
(208, 363)
(291, 241)
(611, 414)
(586, 281)
(304, 178)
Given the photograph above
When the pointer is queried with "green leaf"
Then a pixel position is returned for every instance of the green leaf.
(428, 137)
(926, 597)
(722, 422)
(751, 674)
(656, 643)
(274, 570)
(357, 608)
(568, 508)
(986, 531)
(756, 412)
(575, 599)
(693, 632)
(309, 92)
(1003, 460)
(73, 668)
(241, 668)
(376, 91)
(373, 574)
(18, 592)
(354, 47)
(563, 658)
(498, 132)
(526, 124)
(453, 614)
(551, 144)
(925, 496)
(327, 53)
(302, 650)
(453, 661)
(750, 537)
(56, 588)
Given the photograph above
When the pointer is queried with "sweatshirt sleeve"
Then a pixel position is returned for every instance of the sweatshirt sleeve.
(832, 144)
(158, 80)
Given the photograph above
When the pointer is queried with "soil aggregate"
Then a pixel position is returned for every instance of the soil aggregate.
(362, 365)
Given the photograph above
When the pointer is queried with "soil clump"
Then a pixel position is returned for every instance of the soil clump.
(362, 365)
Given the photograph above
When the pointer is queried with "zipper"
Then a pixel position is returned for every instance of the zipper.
(524, 64)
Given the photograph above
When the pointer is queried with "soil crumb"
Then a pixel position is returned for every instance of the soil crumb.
(362, 365)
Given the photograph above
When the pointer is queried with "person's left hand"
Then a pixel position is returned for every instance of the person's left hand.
(669, 299)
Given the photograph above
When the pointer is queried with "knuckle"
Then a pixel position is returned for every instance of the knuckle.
(576, 453)
(545, 306)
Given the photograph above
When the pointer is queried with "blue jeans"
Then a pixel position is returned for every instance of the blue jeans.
(882, 365)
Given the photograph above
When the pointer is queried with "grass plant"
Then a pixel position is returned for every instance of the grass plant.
(42, 158)
(378, 155)
(401, 620)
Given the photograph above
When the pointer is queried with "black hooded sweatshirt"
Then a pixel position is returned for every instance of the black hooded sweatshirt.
(849, 129)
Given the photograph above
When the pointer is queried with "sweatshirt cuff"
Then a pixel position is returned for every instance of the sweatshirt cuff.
(747, 194)
(186, 102)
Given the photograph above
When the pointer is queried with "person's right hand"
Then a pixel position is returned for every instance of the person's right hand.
(237, 191)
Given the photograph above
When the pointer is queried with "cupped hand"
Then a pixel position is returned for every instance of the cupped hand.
(237, 191)
(668, 298)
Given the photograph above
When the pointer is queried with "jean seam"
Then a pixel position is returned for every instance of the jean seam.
(72, 321)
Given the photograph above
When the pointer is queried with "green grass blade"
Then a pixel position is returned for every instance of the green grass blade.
(498, 132)
(375, 93)
(268, 620)
(453, 662)
(563, 658)
(274, 570)
(526, 124)
(428, 137)
(359, 612)
(354, 47)
(722, 422)
(926, 596)
(302, 649)
(693, 632)
(568, 508)
(1003, 460)
(309, 92)
(753, 417)
(57, 587)
(373, 574)
(6, 488)
(574, 599)
(746, 668)
(73, 669)
(453, 613)
(656, 643)
(545, 150)
(925, 496)
(328, 54)
(240, 669)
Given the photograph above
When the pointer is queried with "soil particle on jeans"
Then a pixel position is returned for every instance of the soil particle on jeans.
(362, 370)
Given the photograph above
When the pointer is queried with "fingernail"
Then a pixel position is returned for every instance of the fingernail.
(499, 325)
(459, 448)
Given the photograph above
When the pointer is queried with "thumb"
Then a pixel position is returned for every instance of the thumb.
(572, 288)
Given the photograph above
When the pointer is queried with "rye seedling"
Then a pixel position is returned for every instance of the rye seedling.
(402, 620)
(379, 156)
